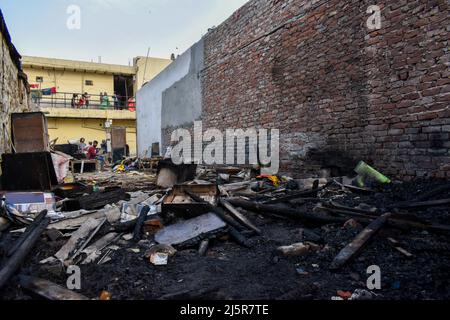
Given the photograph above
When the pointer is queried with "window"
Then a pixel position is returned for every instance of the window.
(39, 79)
(89, 82)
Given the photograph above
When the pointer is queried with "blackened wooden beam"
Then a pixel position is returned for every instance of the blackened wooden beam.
(49, 290)
(15, 261)
(352, 250)
(140, 224)
(239, 216)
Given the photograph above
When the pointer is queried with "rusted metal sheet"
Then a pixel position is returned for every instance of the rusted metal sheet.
(29, 132)
(118, 142)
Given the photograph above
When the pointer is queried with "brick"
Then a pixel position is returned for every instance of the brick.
(348, 96)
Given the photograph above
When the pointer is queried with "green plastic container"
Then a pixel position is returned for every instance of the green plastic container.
(364, 170)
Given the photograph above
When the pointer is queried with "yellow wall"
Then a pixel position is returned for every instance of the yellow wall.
(71, 81)
(66, 129)
(154, 67)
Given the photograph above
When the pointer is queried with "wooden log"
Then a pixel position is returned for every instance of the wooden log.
(16, 260)
(432, 193)
(27, 232)
(283, 211)
(352, 250)
(425, 204)
(239, 238)
(394, 222)
(218, 211)
(125, 226)
(297, 195)
(49, 290)
(140, 224)
(239, 216)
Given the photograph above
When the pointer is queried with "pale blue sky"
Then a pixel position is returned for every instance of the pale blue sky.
(117, 30)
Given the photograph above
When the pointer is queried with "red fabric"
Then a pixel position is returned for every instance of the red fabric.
(92, 153)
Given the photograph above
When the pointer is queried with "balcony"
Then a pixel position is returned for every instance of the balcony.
(65, 105)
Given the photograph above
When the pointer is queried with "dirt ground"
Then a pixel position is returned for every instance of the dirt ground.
(230, 271)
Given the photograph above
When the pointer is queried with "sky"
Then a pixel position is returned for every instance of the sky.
(116, 30)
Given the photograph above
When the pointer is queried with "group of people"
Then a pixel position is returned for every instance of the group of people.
(82, 102)
(91, 150)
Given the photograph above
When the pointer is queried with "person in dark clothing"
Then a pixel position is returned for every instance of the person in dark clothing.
(74, 101)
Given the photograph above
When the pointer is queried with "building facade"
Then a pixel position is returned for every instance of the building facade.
(14, 89)
(109, 95)
(338, 91)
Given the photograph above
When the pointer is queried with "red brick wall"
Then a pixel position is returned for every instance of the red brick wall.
(338, 92)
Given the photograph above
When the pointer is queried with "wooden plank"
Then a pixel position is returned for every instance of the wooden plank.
(425, 204)
(352, 250)
(29, 132)
(236, 214)
(49, 290)
(140, 224)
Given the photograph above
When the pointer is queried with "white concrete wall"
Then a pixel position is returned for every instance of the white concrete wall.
(149, 103)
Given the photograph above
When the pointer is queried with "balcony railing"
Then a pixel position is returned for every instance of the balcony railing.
(80, 101)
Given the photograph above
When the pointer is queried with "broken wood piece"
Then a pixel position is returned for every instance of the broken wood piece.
(75, 223)
(432, 193)
(218, 211)
(203, 247)
(298, 249)
(125, 227)
(284, 211)
(49, 290)
(352, 250)
(239, 238)
(425, 204)
(239, 216)
(16, 260)
(94, 251)
(396, 245)
(301, 194)
(140, 224)
(83, 232)
(89, 239)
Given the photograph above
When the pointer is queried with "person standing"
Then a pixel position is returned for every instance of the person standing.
(74, 101)
(105, 101)
(92, 151)
(116, 101)
(86, 97)
(82, 145)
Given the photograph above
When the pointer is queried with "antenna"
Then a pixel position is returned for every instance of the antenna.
(146, 62)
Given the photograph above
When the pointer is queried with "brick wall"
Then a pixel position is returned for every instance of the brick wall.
(338, 92)
(14, 95)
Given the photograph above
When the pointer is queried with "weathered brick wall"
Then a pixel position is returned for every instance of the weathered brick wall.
(338, 92)
(13, 94)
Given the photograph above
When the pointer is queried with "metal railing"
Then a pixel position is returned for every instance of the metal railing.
(80, 101)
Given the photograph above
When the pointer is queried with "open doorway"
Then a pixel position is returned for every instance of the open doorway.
(124, 89)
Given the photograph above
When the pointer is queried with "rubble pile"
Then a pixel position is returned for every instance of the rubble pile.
(228, 233)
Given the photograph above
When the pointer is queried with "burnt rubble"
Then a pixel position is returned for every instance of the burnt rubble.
(231, 234)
